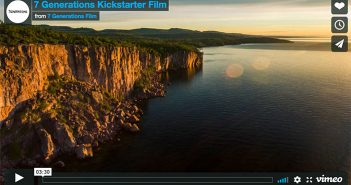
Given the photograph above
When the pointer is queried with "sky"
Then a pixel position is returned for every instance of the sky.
(259, 17)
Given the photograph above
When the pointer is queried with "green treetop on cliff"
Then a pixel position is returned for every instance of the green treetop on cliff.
(12, 35)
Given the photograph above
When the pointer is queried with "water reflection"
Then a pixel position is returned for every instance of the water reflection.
(181, 75)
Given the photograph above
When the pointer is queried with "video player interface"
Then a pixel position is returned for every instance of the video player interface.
(171, 92)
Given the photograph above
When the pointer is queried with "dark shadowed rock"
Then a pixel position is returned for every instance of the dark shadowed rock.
(134, 119)
(84, 151)
(134, 128)
(47, 145)
(59, 164)
(64, 137)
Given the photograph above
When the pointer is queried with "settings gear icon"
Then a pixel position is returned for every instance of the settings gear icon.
(297, 180)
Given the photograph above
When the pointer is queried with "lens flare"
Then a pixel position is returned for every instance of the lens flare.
(261, 63)
(234, 71)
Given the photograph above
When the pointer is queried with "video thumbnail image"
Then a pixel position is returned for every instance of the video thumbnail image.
(178, 86)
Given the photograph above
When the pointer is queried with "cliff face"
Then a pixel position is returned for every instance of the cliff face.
(25, 69)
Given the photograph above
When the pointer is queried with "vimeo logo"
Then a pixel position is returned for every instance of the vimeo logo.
(324, 179)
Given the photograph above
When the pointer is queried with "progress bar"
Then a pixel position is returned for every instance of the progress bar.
(190, 178)
(157, 180)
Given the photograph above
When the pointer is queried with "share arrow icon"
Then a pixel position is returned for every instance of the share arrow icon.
(340, 44)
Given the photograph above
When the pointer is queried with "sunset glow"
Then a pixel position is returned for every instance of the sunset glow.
(266, 17)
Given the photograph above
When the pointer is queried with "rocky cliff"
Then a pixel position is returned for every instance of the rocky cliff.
(25, 69)
(64, 100)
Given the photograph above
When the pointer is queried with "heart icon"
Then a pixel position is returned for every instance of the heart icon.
(339, 5)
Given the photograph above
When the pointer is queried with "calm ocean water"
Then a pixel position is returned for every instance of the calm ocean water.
(248, 109)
